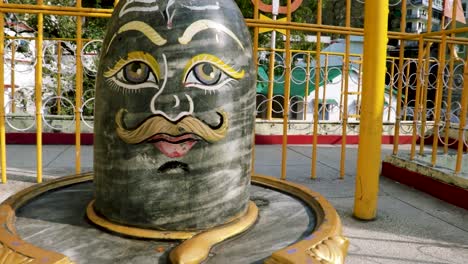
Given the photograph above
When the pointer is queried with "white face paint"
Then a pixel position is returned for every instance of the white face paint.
(138, 7)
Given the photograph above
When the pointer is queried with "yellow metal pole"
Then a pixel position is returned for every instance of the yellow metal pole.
(396, 138)
(390, 90)
(452, 56)
(417, 98)
(375, 46)
(255, 59)
(38, 92)
(79, 90)
(438, 101)
(306, 94)
(59, 77)
(449, 100)
(271, 76)
(13, 53)
(407, 84)
(325, 78)
(287, 92)
(461, 126)
(313, 172)
(358, 97)
(2, 99)
(426, 82)
(345, 70)
(423, 98)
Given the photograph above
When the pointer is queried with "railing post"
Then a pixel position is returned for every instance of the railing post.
(370, 136)
(2, 99)
(38, 91)
(79, 89)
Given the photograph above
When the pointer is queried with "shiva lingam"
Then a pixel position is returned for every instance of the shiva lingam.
(174, 118)
(177, 82)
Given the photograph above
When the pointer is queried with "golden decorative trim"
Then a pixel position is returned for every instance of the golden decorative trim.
(325, 245)
(196, 249)
(134, 231)
(13, 250)
(7, 256)
(329, 250)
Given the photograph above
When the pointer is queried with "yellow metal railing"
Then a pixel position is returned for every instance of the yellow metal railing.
(40, 9)
(420, 98)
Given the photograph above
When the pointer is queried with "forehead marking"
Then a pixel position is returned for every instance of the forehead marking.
(205, 24)
(140, 8)
(142, 27)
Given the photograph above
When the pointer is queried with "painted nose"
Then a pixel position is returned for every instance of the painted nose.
(177, 108)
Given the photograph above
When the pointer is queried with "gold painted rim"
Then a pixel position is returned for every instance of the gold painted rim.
(196, 249)
(134, 231)
(326, 244)
(12, 248)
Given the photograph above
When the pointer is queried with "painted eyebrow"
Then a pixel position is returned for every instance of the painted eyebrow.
(206, 24)
(144, 28)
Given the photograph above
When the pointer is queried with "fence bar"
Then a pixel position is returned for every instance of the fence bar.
(59, 77)
(79, 89)
(438, 102)
(417, 98)
(38, 92)
(287, 92)
(255, 59)
(400, 79)
(313, 172)
(368, 167)
(41, 8)
(2, 98)
(461, 126)
(53, 12)
(346, 66)
(325, 78)
(307, 80)
(12, 77)
(271, 75)
(424, 93)
(453, 55)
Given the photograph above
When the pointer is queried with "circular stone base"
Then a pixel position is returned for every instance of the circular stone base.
(294, 225)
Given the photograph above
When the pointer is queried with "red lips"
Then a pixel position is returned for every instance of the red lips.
(174, 147)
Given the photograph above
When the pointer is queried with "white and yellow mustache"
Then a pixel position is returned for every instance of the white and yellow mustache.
(160, 125)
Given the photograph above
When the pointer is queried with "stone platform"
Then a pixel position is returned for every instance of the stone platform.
(56, 221)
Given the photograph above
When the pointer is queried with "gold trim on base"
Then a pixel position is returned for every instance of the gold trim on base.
(196, 249)
(325, 245)
(14, 250)
(134, 231)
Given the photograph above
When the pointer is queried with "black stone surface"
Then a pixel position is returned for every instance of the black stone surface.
(174, 180)
(56, 221)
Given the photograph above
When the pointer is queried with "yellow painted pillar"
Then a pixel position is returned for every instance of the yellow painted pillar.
(79, 89)
(38, 92)
(2, 102)
(370, 136)
(287, 93)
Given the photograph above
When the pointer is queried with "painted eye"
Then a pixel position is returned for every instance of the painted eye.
(139, 70)
(135, 75)
(209, 73)
(206, 73)
(136, 72)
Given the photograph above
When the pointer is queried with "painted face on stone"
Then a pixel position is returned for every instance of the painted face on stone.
(174, 67)
(174, 107)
